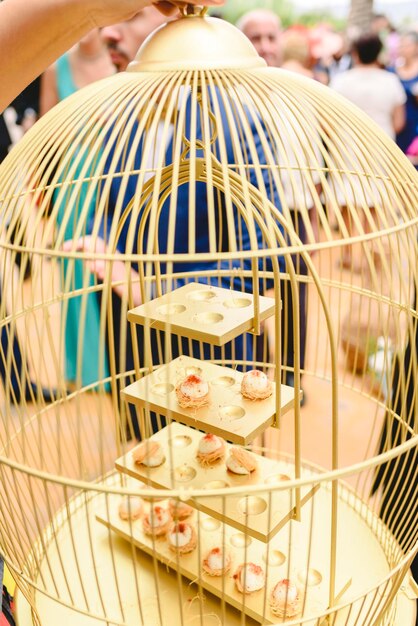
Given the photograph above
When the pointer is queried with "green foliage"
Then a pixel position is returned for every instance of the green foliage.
(234, 9)
(320, 17)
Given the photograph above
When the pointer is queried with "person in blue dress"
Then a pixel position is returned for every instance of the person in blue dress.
(133, 231)
(407, 71)
(125, 228)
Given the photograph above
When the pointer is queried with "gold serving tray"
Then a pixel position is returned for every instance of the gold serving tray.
(228, 413)
(273, 557)
(260, 516)
(210, 314)
(211, 534)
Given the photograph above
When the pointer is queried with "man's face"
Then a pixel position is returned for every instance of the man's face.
(380, 24)
(124, 39)
(264, 34)
(408, 47)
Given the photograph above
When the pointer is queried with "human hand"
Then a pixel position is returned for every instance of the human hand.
(172, 7)
(122, 276)
(88, 243)
(107, 12)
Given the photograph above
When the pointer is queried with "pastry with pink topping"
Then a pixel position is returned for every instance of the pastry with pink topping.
(256, 386)
(130, 508)
(157, 522)
(249, 578)
(240, 461)
(211, 449)
(286, 599)
(182, 537)
(217, 562)
(149, 453)
(192, 392)
(179, 510)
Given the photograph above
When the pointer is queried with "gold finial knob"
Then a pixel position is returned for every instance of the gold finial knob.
(192, 9)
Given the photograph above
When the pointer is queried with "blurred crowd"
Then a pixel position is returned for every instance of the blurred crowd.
(318, 52)
(382, 62)
(377, 70)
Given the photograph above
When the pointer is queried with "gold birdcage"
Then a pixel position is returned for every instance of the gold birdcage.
(187, 222)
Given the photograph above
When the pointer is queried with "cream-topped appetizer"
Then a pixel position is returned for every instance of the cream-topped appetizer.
(256, 386)
(217, 562)
(182, 537)
(249, 577)
(240, 461)
(192, 392)
(179, 510)
(157, 522)
(211, 449)
(130, 508)
(148, 453)
(286, 599)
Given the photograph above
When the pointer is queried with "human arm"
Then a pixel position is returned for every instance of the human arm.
(313, 214)
(398, 118)
(33, 34)
(399, 99)
(48, 95)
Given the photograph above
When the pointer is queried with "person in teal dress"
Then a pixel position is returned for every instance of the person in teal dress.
(85, 360)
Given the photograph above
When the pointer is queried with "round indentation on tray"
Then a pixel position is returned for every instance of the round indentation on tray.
(231, 412)
(216, 484)
(162, 389)
(311, 577)
(274, 558)
(181, 441)
(191, 370)
(209, 318)
(184, 473)
(239, 540)
(223, 381)
(202, 296)
(237, 303)
(171, 309)
(252, 505)
(277, 478)
(210, 524)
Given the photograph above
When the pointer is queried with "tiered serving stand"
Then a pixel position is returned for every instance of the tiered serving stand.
(257, 527)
